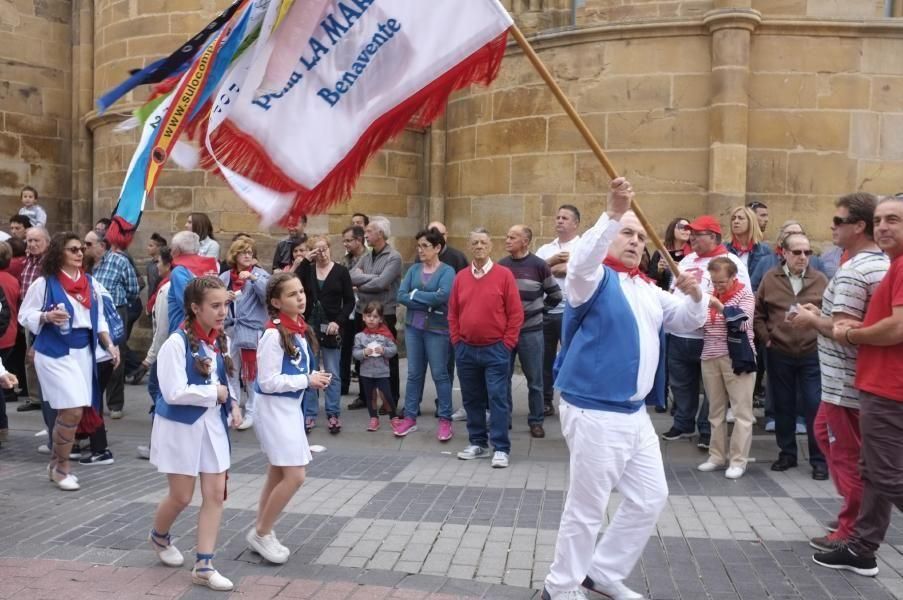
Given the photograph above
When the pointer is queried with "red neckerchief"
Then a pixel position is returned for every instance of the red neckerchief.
(152, 299)
(382, 330)
(726, 297)
(197, 264)
(208, 337)
(618, 266)
(718, 251)
(687, 250)
(298, 325)
(235, 282)
(77, 288)
(743, 250)
(780, 252)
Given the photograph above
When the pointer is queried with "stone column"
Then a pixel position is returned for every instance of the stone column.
(731, 24)
(82, 104)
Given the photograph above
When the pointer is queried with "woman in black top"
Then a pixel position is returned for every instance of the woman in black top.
(329, 302)
(677, 241)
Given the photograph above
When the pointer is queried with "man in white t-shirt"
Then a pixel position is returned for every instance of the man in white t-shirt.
(846, 298)
(685, 350)
(556, 254)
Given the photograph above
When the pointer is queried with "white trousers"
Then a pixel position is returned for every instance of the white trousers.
(608, 451)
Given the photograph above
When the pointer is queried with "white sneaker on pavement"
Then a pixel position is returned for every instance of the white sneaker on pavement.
(43, 449)
(708, 466)
(615, 591)
(267, 546)
(735, 472)
(246, 423)
(144, 452)
(472, 452)
(500, 460)
(459, 415)
(730, 418)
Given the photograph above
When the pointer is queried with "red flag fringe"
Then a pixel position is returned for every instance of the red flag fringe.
(243, 154)
(120, 233)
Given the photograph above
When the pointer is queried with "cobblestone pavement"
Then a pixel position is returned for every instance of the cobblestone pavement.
(381, 518)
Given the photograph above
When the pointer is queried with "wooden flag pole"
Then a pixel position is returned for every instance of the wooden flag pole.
(590, 139)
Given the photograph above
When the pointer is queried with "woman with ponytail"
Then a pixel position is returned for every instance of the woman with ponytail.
(284, 372)
(64, 311)
(190, 436)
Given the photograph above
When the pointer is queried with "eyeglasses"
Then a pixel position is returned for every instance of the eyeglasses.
(838, 221)
(426, 246)
(76, 249)
(699, 233)
(683, 227)
(800, 252)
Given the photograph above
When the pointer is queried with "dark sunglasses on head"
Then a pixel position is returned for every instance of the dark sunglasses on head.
(801, 252)
(838, 221)
(755, 205)
(683, 226)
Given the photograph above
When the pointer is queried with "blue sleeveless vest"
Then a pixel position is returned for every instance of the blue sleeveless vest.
(600, 353)
(303, 365)
(50, 342)
(188, 415)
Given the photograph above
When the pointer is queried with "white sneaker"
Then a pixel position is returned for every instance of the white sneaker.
(211, 579)
(500, 460)
(708, 466)
(572, 595)
(472, 452)
(246, 423)
(267, 546)
(144, 452)
(68, 483)
(735, 472)
(769, 425)
(800, 428)
(615, 591)
(169, 555)
(730, 416)
(459, 415)
(43, 449)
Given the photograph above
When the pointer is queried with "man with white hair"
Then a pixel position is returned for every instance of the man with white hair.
(377, 277)
(186, 265)
(609, 434)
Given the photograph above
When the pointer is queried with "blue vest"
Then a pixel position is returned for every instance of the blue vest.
(600, 353)
(188, 415)
(50, 342)
(302, 365)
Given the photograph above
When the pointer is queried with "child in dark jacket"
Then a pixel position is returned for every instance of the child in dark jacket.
(374, 346)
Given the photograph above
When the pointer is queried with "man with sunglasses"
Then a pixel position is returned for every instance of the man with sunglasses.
(685, 349)
(879, 378)
(791, 356)
(846, 298)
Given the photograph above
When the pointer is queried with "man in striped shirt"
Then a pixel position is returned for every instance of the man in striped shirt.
(539, 292)
(846, 298)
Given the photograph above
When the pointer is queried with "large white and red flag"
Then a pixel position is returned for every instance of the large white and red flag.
(299, 114)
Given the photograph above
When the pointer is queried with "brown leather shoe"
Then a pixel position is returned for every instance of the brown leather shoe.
(537, 431)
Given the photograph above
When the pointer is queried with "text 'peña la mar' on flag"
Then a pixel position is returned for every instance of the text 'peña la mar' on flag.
(296, 118)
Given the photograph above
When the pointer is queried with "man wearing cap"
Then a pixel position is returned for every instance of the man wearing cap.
(685, 349)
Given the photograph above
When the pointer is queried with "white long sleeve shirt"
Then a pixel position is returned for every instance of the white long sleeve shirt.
(652, 307)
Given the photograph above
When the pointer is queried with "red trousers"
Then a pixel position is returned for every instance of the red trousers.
(837, 433)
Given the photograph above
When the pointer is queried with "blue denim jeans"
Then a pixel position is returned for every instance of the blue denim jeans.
(794, 383)
(685, 378)
(330, 359)
(530, 351)
(483, 373)
(427, 348)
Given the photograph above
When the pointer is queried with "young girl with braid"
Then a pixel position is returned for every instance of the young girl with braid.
(190, 435)
(64, 310)
(284, 371)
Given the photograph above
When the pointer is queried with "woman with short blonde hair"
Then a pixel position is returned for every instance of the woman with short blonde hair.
(746, 238)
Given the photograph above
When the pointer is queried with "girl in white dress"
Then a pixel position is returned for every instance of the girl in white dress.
(64, 310)
(190, 436)
(283, 373)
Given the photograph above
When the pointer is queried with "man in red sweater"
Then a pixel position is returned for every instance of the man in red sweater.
(485, 315)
